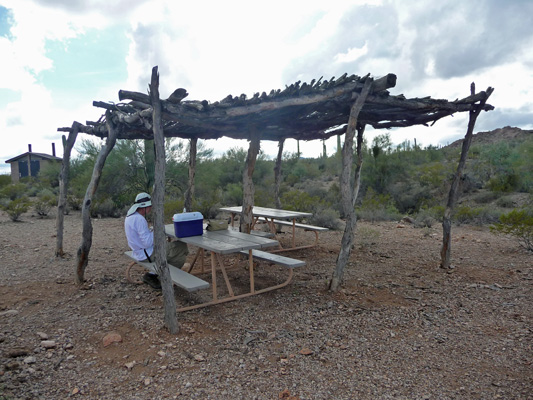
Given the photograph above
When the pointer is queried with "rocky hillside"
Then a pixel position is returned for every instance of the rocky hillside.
(507, 133)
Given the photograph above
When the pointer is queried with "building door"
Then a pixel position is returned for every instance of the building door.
(23, 169)
(35, 167)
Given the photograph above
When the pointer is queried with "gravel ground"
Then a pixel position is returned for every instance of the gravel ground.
(400, 328)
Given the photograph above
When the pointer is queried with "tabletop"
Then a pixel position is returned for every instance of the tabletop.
(224, 241)
(269, 212)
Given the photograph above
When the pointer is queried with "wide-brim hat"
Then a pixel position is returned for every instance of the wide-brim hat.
(141, 201)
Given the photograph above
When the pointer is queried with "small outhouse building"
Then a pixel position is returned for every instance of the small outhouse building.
(29, 163)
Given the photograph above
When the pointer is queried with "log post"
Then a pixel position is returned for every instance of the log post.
(68, 144)
(474, 112)
(158, 197)
(277, 174)
(189, 193)
(87, 232)
(248, 184)
(349, 186)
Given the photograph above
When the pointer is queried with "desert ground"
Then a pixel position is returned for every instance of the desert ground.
(400, 328)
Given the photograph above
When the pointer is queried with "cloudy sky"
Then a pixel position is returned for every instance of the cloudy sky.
(57, 56)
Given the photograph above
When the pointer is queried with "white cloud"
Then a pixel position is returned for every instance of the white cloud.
(216, 48)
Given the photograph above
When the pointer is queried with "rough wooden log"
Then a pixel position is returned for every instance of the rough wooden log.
(453, 194)
(169, 301)
(68, 144)
(248, 184)
(277, 174)
(189, 192)
(349, 188)
(87, 232)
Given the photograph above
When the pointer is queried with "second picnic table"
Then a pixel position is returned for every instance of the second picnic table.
(273, 216)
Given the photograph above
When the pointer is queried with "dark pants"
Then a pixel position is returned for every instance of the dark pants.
(176, 254)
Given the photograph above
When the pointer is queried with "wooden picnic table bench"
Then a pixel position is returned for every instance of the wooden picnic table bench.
(273, 217)
(180, 278)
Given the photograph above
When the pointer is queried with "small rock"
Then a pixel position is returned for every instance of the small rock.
(147, 381)
(48, 344)
(30, 360)
(42, 335)
(306, 351)
(8, 313)
(130, 365)
(13, 353)
(112, 337)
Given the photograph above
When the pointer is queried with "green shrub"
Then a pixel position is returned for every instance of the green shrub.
(506, 202)
(504, 183)
(44, 203)
(74, 202)
(5, 180)
(366, 236)
(427, 217)
(475, 215)
(15, 208)
(298, 200)
(327, 218)
(377, 207)
(486, 197)
(14, 191)
(104, 209)
(171, 207)
(517, 223)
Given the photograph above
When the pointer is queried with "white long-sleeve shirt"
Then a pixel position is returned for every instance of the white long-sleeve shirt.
(139, 236)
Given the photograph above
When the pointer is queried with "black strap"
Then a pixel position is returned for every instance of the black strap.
(147, 256)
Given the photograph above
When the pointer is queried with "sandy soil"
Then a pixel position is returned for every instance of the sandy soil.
(401, 328)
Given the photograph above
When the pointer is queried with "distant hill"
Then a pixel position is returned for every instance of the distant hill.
(507, 133)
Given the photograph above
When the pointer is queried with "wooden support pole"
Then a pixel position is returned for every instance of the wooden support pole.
(87, 233)
(277, 174)
(246, 222)
(349, 186)
(453, 194)
(68, 144)
(189, 193)
(158, 198)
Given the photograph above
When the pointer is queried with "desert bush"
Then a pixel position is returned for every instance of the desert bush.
(74, 202)
(519, 224)
(366, 236)
(14, 191)
(44, 203)
(427, 217)
(15, 208)
(486, 197)
(377, 207)
(104, 209)
(505, 202)
(5, 180)
(475, 215)
(301, 201)
(171, 207)
(327, 218)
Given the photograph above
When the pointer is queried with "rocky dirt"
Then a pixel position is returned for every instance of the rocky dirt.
(401, 328)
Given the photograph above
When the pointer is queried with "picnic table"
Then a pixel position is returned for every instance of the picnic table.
(229, 242)
(273, 217)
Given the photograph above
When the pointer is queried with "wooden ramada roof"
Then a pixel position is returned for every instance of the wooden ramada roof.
(308, 111)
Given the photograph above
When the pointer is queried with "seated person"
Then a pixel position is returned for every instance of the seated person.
(141, 239)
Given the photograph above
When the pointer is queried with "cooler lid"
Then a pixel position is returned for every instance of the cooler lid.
(187, 216)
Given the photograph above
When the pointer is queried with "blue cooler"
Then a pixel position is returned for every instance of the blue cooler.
(188, 224)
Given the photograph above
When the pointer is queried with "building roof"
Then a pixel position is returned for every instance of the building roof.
(316, 110)
(42, 155)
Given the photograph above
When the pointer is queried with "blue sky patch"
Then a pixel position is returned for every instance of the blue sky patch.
(85, 63)
(8, 96)
(6, 20)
